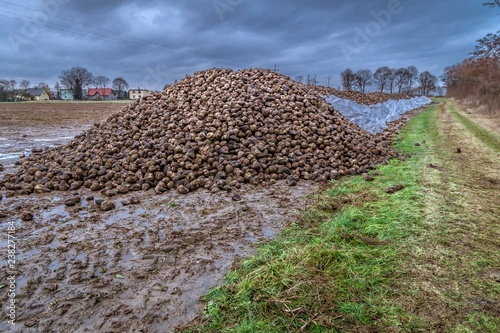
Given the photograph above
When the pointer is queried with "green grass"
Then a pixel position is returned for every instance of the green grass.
(352, 263)
(489, 138)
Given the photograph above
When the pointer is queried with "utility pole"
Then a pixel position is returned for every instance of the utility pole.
(329, 78)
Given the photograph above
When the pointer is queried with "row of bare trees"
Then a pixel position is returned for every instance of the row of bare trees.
(309, 79)
(389, 80)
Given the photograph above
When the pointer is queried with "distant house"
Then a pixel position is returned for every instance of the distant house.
(37, 94)
(138, 93)
(66, 94)
(100, 94)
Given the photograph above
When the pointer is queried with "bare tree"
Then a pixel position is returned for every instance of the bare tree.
(299, 79)
(489, 46)
(311, 79)
(57, 90)
(392, 80)
(412, 75)
(76, 79)
(492, 4)
(12, 87)
(450, 77)
(24, 84)
(401, 76)
(7, 90)
(348, 79)
(4, 85)
(120, 84)
(381, 77)
(363, 79)
(427, 82)
(101, 81)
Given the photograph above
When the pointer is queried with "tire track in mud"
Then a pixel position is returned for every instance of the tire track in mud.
(139, 268)
(478, 166)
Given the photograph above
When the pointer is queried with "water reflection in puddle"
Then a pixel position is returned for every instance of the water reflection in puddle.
(57, 212)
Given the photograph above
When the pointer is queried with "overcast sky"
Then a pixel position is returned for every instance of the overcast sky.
(151, 43)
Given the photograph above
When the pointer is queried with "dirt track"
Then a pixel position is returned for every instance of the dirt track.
(138, 268)
(463, 185)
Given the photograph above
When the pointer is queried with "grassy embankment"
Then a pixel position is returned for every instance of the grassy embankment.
(424, 259)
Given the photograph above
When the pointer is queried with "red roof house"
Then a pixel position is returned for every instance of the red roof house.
(98, 94)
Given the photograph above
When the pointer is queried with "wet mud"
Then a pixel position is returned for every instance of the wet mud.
(141, 267)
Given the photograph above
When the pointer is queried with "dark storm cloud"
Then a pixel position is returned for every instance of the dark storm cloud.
(151, 43)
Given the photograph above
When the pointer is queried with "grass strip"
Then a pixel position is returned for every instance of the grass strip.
(348, 265)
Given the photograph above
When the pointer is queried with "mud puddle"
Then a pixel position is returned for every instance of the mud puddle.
(138, 268)
(15, 143)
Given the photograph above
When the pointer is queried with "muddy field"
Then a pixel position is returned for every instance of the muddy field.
(24, 126)
(141, 267)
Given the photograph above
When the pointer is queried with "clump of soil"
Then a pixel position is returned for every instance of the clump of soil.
(216, 130)
(394, 188)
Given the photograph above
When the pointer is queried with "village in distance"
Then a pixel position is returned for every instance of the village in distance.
(76, 83)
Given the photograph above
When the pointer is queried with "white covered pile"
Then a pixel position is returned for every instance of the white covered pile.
(374, 118)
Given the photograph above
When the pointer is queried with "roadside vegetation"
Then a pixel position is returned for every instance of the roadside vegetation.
(476, 79)
(422, 259)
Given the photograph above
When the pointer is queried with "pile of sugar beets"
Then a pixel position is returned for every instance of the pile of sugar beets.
(215, 130)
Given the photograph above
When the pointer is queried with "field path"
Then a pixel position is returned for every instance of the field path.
(474, 167)
(455, 273)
